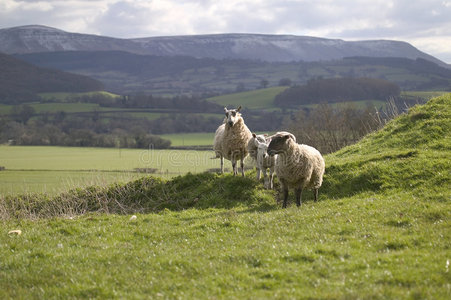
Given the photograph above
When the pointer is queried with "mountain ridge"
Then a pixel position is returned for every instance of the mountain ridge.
(265, 47)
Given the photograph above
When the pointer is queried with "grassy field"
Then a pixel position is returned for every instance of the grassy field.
(63, 97)
(380, 230)
(56, 169)
(190, 139)
(256, 99)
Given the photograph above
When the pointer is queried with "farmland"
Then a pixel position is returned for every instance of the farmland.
(257, 99)
(56, 169)
(380, 229)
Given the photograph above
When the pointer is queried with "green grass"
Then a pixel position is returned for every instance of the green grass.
(257, 99)
(190, 139)
(63, 97)
(423, 94)
(56, 169)
(380, 230)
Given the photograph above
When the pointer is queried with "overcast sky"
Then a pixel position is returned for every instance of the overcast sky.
(426, 24)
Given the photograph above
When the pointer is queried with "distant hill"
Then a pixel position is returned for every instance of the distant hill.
(124, 72)
(270, 48)
(21, 81)
(337, 90)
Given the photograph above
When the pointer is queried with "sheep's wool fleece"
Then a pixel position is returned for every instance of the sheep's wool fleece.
(300, 166)
(232, 140)
(266, 162)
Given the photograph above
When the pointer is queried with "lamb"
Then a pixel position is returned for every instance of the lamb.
(252, 144)
(264, 161)
(297, 166)
(231, 140)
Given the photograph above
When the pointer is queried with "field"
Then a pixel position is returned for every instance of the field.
(190, 139)
(380, 229)
(56, 169)
(67, 97)
(257, 99)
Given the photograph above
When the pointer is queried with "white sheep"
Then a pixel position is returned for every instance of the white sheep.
(297, 166)
(252, 145)
(264, 161)
(231, 140)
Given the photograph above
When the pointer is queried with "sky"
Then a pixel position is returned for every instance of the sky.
(426, 24)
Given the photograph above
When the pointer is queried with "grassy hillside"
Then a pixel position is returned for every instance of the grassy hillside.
(21, 82)
(380, 230)
(127, 73)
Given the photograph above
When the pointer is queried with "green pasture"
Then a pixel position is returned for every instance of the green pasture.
(423, 94)
(256, 99)
(190, 139)
(380, 230)
(64, 97)
(55, 169)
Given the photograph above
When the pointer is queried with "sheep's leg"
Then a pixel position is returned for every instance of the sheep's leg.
(315, 194)
(265, 179)
(271, 178)
(235, 172)
(298, 196)
(222, 164)
(285, 196)
(242, 166)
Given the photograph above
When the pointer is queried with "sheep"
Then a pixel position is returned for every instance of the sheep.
(264, 161)
(252, 145)
(231, 140)
(297, 166)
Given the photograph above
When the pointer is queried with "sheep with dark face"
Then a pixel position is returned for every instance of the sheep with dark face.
(231, 140)
(264, 161)
(297, 166)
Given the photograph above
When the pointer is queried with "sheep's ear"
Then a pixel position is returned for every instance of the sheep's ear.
(239, 108)
(254, 135)
(225, 109)
(289, 136)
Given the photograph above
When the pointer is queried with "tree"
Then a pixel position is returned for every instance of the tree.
(285, 82)
(22, 113)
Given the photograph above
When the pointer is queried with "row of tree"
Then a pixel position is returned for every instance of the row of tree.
(78, 131)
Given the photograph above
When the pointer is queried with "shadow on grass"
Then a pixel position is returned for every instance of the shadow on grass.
(145, 195)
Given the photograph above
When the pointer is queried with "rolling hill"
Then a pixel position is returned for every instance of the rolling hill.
(21, 81)
(271, 48)
(124, 72)
(221, 63)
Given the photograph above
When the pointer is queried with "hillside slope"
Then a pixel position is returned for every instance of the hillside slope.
(21, 81)
(125, 72)
(410, 154)
(380, 230)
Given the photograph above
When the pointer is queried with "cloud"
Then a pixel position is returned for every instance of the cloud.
(421, 22)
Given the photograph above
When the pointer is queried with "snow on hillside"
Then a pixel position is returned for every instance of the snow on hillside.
(36, 38)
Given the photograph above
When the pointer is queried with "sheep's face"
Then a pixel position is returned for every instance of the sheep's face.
(258, 139)
(262, 150)
(232, 116)
(279, 143)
